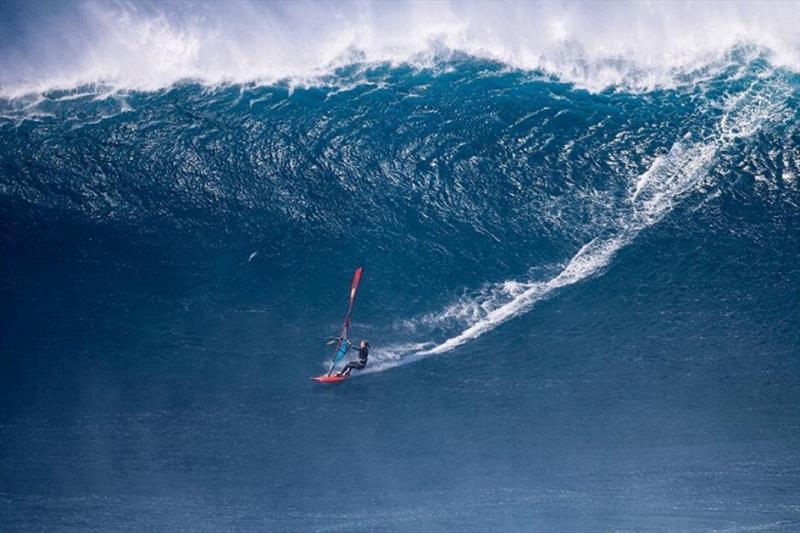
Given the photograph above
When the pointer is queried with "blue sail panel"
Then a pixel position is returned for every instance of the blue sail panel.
(341, 351)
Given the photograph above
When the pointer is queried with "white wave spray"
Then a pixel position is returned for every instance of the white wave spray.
(150, 45)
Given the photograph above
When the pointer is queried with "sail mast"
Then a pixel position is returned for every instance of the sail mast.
(344, 343)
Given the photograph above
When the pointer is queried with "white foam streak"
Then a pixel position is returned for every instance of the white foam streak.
(587, 262)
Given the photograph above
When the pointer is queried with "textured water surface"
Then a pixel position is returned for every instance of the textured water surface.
(582, 304)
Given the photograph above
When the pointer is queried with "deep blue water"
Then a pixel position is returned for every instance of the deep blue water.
(152, 378)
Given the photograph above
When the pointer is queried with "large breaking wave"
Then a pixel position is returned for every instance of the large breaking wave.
(459, 128)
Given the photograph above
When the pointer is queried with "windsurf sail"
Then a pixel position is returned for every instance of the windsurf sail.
(343, 342)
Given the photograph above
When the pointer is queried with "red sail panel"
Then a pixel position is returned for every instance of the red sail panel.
(356, 281)
(353, 290)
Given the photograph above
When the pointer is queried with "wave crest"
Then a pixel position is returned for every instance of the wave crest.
(145, 46)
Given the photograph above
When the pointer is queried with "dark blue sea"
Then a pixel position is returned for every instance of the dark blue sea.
(582, 304)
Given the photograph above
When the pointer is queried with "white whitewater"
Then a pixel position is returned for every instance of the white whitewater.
(128, 45)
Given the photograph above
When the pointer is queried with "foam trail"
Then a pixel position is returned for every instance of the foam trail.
(652, 196)
(588, 261)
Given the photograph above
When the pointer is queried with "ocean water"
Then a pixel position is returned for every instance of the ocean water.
(581, 254)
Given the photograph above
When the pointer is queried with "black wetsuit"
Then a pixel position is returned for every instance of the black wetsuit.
(358, 364)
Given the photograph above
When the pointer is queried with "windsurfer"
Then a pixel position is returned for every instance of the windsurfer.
(358, 364)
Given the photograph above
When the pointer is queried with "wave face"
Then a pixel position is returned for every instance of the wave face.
(586, 241)
(466, 166)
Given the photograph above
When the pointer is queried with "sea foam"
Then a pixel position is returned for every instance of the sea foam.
(636, 46)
